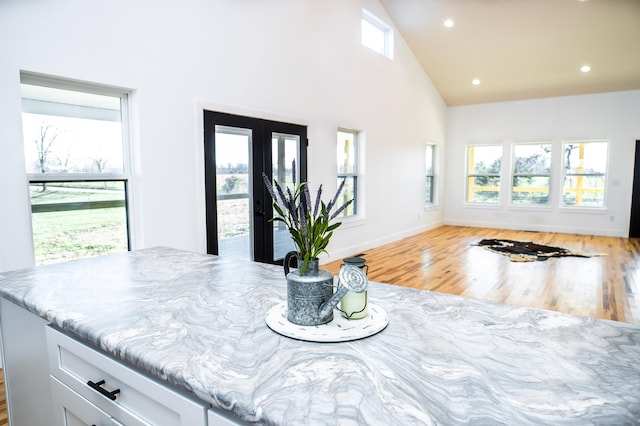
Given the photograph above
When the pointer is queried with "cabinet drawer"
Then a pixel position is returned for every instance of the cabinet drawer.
(70, 409)
(123, 393)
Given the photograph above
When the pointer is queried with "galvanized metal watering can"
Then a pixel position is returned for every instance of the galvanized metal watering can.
(310, 296)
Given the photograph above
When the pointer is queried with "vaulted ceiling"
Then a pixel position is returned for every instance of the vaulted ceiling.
(522, 49)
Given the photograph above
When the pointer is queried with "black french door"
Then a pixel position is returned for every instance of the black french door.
(238, 150)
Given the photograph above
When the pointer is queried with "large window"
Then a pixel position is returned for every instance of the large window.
(348, 152)
(585, 171)
(430, 157)
(483, 173)
(376, 34)
(76, 151)
(531, 174)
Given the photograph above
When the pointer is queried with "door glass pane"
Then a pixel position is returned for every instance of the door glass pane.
(284, 149)
(233, 192)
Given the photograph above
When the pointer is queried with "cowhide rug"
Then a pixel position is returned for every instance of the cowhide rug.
(527, 251)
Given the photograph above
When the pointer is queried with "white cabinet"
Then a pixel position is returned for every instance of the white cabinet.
(25, 366)
(108, 386)
(47, 374)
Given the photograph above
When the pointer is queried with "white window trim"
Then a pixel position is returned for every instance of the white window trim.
(583, 209)
(359, 217)
(434, 182)
(500, 175)
(384, 28)
(512, 175)
(127, 175)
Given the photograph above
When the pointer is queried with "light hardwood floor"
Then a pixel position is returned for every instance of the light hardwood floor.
(4, 421)
(444, 260)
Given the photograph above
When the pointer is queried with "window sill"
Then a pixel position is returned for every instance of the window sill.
(483, 206)
(352, 222)
(530, 207)
(581, 210)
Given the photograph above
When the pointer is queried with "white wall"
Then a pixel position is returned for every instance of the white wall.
(298, 60)
(613, 116)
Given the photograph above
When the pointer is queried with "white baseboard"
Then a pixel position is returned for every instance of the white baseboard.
(540, 228)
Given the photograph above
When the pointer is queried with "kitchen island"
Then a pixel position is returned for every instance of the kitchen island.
(195, 323)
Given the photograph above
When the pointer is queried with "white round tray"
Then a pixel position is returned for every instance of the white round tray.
(339, 329)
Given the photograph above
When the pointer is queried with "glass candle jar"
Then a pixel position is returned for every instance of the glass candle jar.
(355, 305)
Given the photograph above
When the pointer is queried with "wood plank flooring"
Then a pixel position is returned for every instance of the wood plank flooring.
(444, 260)
(4, 420)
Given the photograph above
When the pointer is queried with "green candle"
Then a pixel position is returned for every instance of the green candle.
(354, 305)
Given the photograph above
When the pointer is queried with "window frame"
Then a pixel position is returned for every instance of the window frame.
(384, 28)
(562, 203)
(432, 176)
(356, 175)
(469, 174)
(126, 176)
(514, 174)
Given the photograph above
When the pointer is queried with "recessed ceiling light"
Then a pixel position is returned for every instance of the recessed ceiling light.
(585, 68)
(475, 82)
(448, 23)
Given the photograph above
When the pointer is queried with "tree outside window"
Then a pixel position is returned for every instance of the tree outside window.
(74, 143)
(585, 172)
(531, 174)
(483, 174)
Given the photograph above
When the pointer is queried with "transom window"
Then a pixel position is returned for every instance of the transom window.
(483, 173)
(376, 34)
(531, 174)
(585, 172)
(348, 169)
(76, 146)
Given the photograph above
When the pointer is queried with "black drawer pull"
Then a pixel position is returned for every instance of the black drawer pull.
(98, 386)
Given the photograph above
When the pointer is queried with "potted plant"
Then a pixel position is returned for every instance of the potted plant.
(308, 221)
(310, 296)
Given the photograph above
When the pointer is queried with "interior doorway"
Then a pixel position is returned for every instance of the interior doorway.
(238, 150)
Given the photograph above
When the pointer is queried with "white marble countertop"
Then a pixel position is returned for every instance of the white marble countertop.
(197, 322)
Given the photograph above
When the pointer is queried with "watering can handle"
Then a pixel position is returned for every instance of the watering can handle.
(287, 261)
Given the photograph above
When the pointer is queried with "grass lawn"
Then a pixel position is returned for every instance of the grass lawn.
(60, 236)
(72, 234)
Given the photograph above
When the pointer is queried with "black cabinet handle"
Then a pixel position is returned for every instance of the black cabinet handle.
(98, 386)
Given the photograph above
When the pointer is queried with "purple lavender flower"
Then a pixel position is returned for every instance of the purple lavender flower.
(281, 193)
(307, 197)
(337, 212)
(315, 208)
(267, 183)
(303, 220)
(310, 232)
(335, 198)
(291, 206)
